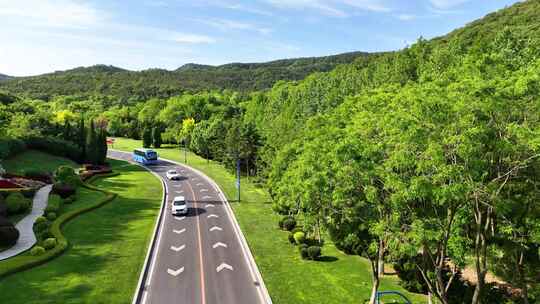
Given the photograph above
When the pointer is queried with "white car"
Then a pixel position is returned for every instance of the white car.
(173, 175)
(179, 206)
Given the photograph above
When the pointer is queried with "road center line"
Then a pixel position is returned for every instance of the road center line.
(203, 291)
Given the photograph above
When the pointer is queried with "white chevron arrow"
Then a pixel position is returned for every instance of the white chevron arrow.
(213, 215)
(199, 184)
(175, 272)
(177, 186)
(179, 231)
(219, 244)
(216, 228)
(209, 205)
(224, 266)
(179, 218)
(173, 248)
(204, 190)
(181, 191)
(206, 197)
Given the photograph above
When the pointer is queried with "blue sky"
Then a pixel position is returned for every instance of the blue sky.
(40, 36)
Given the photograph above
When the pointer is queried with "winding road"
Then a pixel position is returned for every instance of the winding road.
(200, 258)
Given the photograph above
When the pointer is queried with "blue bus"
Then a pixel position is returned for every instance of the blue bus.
(145, 156)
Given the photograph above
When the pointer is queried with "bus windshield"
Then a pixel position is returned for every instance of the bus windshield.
(151, 155)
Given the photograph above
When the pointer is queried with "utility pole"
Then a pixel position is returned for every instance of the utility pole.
(238, 177)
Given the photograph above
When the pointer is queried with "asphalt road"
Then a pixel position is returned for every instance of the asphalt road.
(198, 258)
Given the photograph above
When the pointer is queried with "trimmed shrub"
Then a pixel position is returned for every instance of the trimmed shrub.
(54, 146)
(10, 147)
(28, 193)
(49, 243)
(40, 175)
(64, 190)
(289, 224)
(74, 181)
(303, 249)
(54, 204)
(299, 237)
(41, 224)
(290, 237)
(51, 216)
(16, 203)
(37, 250)
(3, 207)
(62, 173)
(70, 200)
(314, 252)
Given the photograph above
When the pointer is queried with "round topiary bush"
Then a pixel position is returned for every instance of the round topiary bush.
(37, 250)
(299, 237)
(51, 216)
(54, 204)
(49, 243)
(314, 252)
(290, 237)
(14, 203)
(70, 200)
(8, 233)
(64, 190)
(41, 224)
(289, 224)
(303, 249)
(63, 173)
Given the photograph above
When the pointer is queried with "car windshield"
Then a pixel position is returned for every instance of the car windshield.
(179, 203)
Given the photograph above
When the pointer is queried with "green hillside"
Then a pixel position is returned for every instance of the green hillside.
(109, 80)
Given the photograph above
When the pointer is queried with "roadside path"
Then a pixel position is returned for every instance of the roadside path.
(25, 226)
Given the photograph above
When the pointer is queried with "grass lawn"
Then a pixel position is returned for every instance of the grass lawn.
(338, 279)
(35, 160)
(107, 246)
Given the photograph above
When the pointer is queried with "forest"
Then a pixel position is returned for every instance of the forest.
(427, 158)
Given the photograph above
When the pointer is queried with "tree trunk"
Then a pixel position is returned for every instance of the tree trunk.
(374, 290)
(522, 281)
(480, 250)
(381, 267)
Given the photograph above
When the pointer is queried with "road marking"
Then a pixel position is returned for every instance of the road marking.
(201, 263)
(179, 218)
(179, 192)
(206, 197)
(216, 228)
(195, 178)
(175, 273)
(224, 266)
(173, 248)
(179, 231)
(204, 190)
(209, 205)
(219, 244)
(213, 215)
(177, 186)
(199, 184)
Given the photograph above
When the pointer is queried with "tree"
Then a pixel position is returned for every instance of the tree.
(147, 137)
(92, 144)
(156, 136)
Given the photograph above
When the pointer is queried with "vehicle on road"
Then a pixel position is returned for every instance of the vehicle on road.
(179, 206)
(173, 175)
(145, 156)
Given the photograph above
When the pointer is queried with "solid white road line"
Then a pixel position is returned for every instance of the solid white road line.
(175, 273)
(176, 249)
(179, 231)
(219, 244)
(224, 266)
(216, 228)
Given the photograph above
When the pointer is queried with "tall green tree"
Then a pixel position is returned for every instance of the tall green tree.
(147, 137)
(156, 137)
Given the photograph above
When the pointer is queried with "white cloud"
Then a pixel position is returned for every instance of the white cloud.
(226, 25)
(336, 8)
(190, 38)
(446, 4)
(247, 9)
(51, 13)
(406, 17)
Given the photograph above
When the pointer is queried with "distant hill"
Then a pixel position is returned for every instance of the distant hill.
(110, 80)
(4, 77)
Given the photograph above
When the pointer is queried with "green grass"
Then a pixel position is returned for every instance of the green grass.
(289, 279)
(35, 160)
(106, 250)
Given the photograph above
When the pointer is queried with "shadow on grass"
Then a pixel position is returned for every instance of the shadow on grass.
(327, 259)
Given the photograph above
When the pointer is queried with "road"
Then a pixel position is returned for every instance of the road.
(198, 258)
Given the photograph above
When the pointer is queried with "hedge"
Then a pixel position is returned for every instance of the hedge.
(24, 262)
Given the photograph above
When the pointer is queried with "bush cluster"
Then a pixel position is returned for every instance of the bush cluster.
(49, 243)
(54, 204)
(287, 223)
(64, 190)
(55, 146)
(40, 175)
(37, 250)
(10, 147)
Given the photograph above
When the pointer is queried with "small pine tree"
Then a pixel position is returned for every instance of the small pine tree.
(92, 150)
(102, 146)
(156, 136)
(147, 137)
(81, 138)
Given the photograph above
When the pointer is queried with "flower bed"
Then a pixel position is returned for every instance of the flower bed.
(90, 170)
(6, 184)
